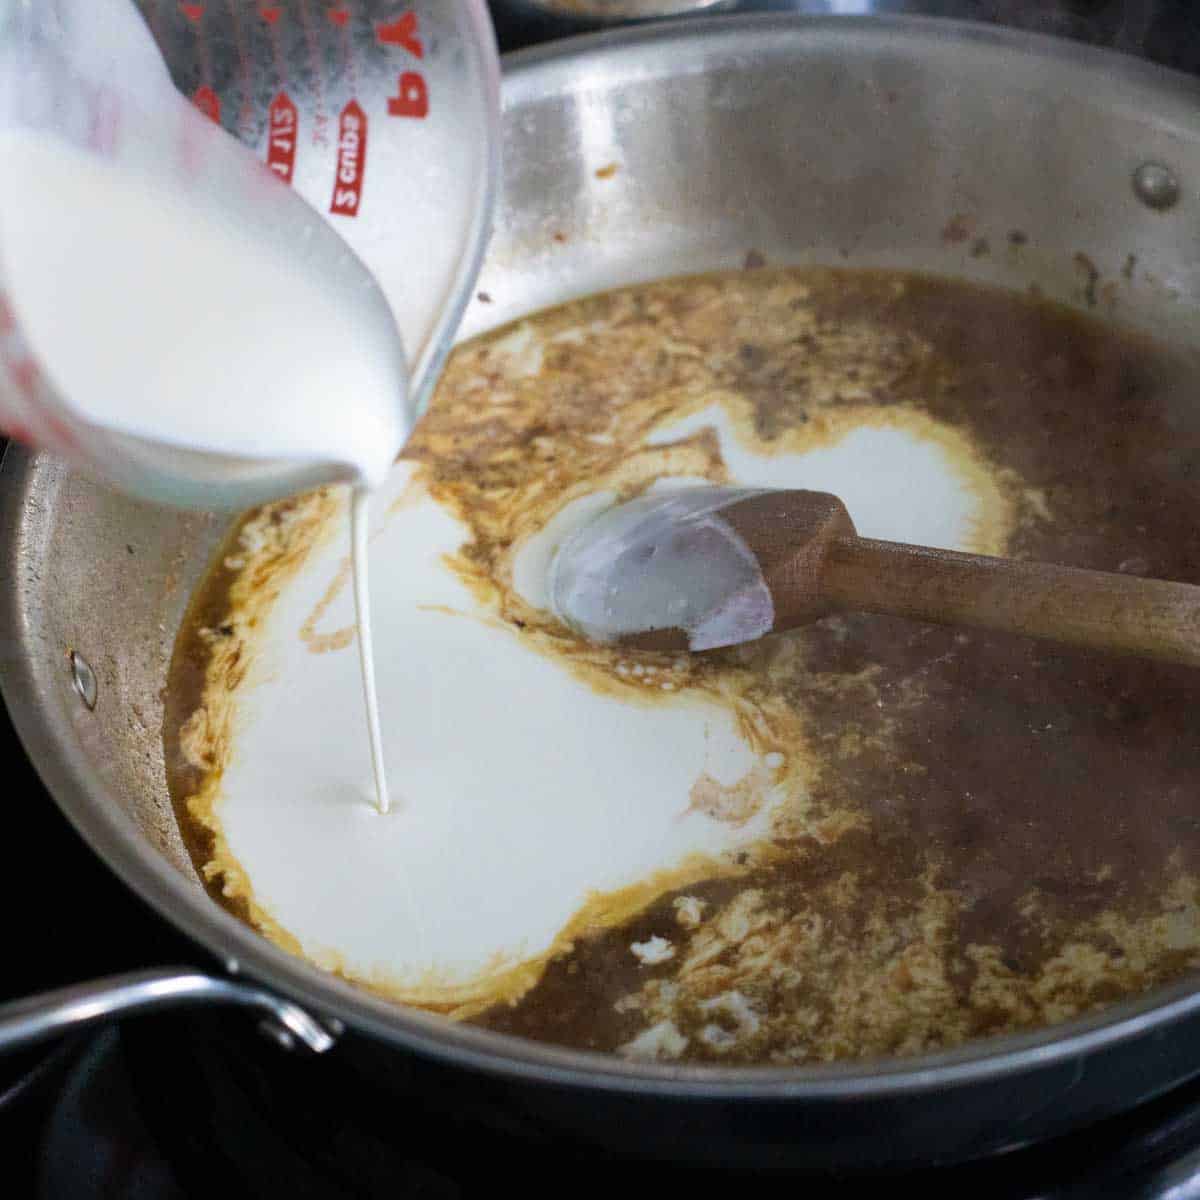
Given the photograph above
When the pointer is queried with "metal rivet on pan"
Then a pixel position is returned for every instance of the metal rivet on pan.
(274, 1032)
(1155, 185)
(84, 679)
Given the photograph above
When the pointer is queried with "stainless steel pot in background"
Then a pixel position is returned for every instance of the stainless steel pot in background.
(1159, 30)
(770, 139)
(540, 19)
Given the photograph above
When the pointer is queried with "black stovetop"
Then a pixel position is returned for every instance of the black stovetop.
(198, 1104)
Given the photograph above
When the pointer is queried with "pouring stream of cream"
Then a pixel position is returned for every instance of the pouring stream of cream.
(158, 314)
(360, 505)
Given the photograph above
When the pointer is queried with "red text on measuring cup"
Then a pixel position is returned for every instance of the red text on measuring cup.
(352, 160)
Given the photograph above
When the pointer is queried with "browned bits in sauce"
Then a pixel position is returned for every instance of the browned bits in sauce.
(999, 833)
(958, 228)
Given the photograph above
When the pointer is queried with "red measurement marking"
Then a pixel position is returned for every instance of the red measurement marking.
(208, 102)
(281, 137)
(352, 161)
(270, 15)
(204, 98)
(401, 32)
(338, 16)
(413, 100)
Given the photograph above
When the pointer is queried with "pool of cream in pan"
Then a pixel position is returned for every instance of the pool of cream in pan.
(520, 792)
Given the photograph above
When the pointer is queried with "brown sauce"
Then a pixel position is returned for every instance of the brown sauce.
(1023, 838)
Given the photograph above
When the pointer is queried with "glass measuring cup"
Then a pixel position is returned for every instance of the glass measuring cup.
(383, 125)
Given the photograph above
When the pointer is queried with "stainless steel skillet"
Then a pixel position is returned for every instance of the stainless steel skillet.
(785, 140)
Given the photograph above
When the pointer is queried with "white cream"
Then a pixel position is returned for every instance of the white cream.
(156, 314)
(360, 514)
(524, 791)
(158, 310)
(895, 485)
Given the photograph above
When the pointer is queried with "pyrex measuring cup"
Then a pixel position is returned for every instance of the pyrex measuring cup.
(381, 118)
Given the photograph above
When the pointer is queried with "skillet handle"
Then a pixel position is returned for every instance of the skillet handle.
(48, 1014)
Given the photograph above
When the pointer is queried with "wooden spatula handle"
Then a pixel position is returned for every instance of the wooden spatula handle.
(1121, 613)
